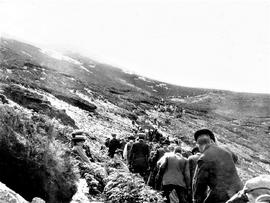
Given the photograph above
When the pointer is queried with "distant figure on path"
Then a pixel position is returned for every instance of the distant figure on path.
(114, 144)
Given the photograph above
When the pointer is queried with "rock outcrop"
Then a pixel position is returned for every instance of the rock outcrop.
(37, 103)
(9, 196)
(76, 101)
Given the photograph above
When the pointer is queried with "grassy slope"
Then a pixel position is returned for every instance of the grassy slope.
(239, 120)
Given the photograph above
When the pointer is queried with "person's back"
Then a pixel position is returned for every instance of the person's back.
(139, 156)
(174, 173)
(113, 145)
(153, 165)
(126, 153)
(216, 169)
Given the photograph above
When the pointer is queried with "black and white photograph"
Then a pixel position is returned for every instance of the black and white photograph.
(134, 101)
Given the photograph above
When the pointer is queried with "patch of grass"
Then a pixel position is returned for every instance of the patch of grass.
(32, 161)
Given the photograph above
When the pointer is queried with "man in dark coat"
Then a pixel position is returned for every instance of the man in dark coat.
(153, 166)
(114, 144)
(216, 170)
(139, 155)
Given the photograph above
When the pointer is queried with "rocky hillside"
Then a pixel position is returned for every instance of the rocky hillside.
(45, 95)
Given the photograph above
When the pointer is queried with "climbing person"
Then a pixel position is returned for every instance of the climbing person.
(127, 148)
(139, 155)
(174, 174)
(215, 172)
(158, 152)
(107, 141)
(167, 140)
(156, 135)
(114, 144)
(78, 142)
(192, 162)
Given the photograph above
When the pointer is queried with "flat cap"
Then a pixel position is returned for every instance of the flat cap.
(78, 138)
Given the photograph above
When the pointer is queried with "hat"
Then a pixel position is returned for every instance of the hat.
(78, 138)
(141, 136)
(195, 149)
(204, 132)
(113, 135)
(77, 132)
(178, 149)
(131, 137)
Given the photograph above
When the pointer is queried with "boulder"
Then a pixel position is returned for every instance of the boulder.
(37, 103)
(9, 196)
(76, 101)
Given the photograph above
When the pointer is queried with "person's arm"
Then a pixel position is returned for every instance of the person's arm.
(187, 175)
(200, 182)
(82, 154)
(131, 154)
(234, 156)
(161, 170)
(125, 152)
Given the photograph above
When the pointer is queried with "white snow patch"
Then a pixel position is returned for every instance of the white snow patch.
(24, 67)
(162, 85)
(131, 85)
(178, 100)
(128, 72)
(9, 71)
(42, 78)
(27, 54)
(82, 67)
(92, 65)
(59, 56)
(88, 91)
(144, 79)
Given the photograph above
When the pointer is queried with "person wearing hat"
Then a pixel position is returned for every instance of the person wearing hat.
(78, 141)
(215, 170)
(174, 174)
(139, 155)
(114, 144)
(214, 140)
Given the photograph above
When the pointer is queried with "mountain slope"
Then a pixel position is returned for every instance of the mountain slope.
(79, 93)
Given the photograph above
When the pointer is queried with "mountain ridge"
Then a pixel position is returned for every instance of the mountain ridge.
(80, 93)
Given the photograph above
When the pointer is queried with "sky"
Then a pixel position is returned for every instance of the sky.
(220, 44)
